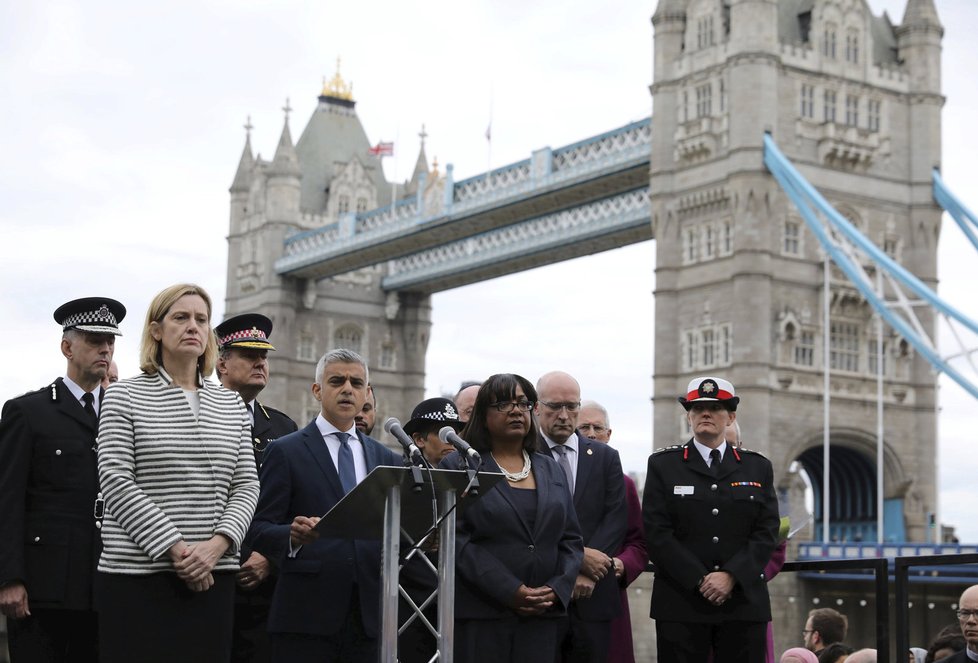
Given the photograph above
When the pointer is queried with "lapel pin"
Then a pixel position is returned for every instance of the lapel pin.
(590, 452)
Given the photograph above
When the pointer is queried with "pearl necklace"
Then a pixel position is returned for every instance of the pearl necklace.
(515, 477)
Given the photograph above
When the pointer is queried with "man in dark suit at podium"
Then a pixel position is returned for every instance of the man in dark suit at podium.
(326, 605)
(243, 341)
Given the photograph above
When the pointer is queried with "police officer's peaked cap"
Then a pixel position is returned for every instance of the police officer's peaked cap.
(96, 315)
(437, 410)
(248, 330)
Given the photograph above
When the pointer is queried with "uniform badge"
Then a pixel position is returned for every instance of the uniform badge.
(682, 490)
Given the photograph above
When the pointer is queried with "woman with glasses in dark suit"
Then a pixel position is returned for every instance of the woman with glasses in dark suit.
(518, 546)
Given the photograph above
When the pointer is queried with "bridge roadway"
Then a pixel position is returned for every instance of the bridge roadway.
(580, 199)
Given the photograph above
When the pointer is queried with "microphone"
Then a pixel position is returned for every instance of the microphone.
(448, 436)
(393, 426)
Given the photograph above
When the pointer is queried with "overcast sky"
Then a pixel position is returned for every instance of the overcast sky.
(121, 129)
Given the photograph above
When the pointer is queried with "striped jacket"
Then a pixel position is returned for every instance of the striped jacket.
(166, 475)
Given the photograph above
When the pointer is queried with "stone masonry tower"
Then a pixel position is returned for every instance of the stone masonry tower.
(854, 101)
(324, 179)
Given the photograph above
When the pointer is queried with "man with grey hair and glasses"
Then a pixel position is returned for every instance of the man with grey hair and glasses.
(967, 613)
(326, 605)
(594, 477)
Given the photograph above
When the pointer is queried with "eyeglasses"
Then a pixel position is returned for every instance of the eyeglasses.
(596, 428)
(570, 406)
(806, 632)
(965, 615)
(509, 406)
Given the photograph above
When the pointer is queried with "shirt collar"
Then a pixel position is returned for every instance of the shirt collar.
(78, 392)
(571, 443)
(705, 450)
(327, 429)
(169, 381)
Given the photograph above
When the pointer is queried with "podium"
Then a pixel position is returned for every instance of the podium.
(392, 503)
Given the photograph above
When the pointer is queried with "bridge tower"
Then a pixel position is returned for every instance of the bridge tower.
(854, 101)
(322, 181)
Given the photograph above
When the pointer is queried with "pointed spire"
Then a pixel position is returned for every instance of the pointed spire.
(242, 178)
(421, 167)
(921, 13)
(285, 161)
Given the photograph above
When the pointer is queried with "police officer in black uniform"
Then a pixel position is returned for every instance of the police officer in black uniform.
(243, 367)
(711, 524)
(49, 539)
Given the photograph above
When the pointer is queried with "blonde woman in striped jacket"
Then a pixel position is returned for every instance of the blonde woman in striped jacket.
(178, 477)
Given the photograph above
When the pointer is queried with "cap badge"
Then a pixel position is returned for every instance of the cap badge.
(708, 388)
(102, 313)
(450, 412)
(255, 333)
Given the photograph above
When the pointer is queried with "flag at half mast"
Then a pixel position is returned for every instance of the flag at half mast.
(382, 149)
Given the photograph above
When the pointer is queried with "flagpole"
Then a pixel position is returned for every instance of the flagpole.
(397, 139)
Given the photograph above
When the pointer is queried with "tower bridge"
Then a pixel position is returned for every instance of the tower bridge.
(336, 255)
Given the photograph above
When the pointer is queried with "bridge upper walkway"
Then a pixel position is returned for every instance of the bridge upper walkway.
(495, 223)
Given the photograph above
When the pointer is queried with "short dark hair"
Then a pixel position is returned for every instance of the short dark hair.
(830, 624)
(833, 652)
(499, 387)
(950, 640)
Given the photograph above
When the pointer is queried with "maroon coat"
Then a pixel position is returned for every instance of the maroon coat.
(635, 559)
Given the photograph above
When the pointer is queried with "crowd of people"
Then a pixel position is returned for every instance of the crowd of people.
(168, 517)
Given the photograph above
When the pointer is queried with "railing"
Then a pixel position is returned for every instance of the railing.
(880, 567)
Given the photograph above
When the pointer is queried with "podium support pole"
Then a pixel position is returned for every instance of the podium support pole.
(390, 563)
(446, 578)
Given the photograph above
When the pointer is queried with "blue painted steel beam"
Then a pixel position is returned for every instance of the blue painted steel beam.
(807, 199)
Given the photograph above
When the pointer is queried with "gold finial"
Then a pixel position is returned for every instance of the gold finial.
(248, 126)
(336, 87)
(422, 135)
(434, 167)
(287, 108)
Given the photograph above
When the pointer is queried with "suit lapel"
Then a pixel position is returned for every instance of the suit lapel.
(504, 489)
(585, 463)
(544, 486)
(729, 463)
(316, 446)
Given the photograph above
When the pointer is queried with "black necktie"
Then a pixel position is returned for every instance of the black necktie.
(715, 460)
(89, 399)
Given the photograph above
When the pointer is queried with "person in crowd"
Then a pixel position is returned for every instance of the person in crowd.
(111, 375)
(367, 416)
(326, 605)
(465, 400)
(823, 627)
(947, 642)
(862, 656)
(429, 417)
(798, 655)
(918, 655)
(968, 619)
(178, 476)
(594, 474)
(632, 557)
(711, 524)
(518, 546)
(242, 366)
(837, 652)
(48, 486)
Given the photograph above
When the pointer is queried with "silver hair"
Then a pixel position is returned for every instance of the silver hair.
(598, 406)
(71, 335)
(340, 356)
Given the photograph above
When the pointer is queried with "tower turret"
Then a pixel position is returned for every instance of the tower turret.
(284, 175)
